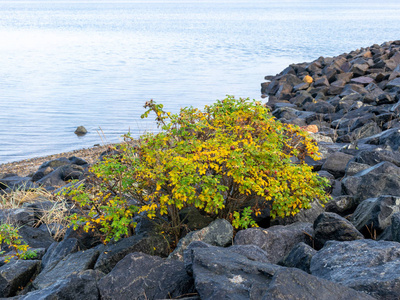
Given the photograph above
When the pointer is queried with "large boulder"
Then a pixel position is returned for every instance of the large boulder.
(299, 257)
(295, 284)
(364, 265)
(77, 286)
(336, 164)
(383, 178)
(375, 214)
(57, 251)
(218, 233)
(74, 262)
(277, 240)
(341, 205)
(35, 237)
(112, 253)
(373, 157)
(141, 276)
(330, 226)
(222, 274)
(16, 275)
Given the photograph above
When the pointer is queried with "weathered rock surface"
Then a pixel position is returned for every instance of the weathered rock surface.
(111, 254)
(296, 284)
(364, 265)
(77, 286)
(375, 214)
(74, 262)
(299, 257)
(330, 226)
(277, 240)
(383, 178)
(221, 274)
(16, 275)
(141, 276)
(218, 233)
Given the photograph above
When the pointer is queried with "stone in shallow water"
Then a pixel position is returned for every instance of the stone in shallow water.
(81, 130)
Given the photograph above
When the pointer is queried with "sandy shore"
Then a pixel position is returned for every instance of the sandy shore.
(29, 166)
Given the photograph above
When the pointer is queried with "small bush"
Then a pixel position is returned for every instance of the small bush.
(218, 160)
(10, 237)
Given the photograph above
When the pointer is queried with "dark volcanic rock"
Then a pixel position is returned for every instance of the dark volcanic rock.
(296, 284)
(57, 251)
(342, 205)
(299, 257)
(221, 274)
(218, 233)
(76, 286)
(336, 164)
(278, 240)
(330, 226)
(112, 253)
(75, 262)
(35, 237)
(376, 156)
(141, 276)
(364, 265)
(15, 275)
(375, 214)
(383, 178)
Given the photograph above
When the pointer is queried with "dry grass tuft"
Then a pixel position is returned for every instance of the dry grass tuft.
(54, 218)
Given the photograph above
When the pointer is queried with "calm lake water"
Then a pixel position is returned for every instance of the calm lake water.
(95, 63)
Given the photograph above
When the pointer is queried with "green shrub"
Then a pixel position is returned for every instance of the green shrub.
(218, 160)
(9, 236)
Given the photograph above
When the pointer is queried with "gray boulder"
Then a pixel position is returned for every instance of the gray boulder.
(277, 240)
(336, 164)
(295, 284)
(76, 286)
(341, 205)
(330, 226)
(35, 237)
(375, 214)
(364, 265)
(18, 216)
(222, 274)
(112, 253)
(376, 156)
(57, 251)
(353, 168)
(299, 257)
(395, 227)
(218, 233)
(74, 262)
(251, 252)
(62, 174)
(15, 182)
(141, 276)
(80, 130)
(383, 178)
(16, 274)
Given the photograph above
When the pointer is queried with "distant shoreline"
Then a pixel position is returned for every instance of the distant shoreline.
(30, 165)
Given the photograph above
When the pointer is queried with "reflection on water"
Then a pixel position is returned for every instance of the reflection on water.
(68, 63)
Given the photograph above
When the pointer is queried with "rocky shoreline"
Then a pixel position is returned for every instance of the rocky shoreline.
(349, 249)
(28, 166)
